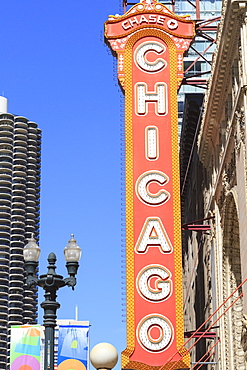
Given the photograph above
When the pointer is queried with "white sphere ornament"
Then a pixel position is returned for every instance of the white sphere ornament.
(104, 356)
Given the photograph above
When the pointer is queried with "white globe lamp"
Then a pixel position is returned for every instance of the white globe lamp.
(104, 356)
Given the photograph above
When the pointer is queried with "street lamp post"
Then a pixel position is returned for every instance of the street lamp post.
(50, 282)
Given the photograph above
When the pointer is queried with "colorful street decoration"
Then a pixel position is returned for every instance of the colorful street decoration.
(73, 343)
(25, 347)
(149, 41)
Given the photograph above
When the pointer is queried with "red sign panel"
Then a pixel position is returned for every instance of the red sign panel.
(150, 40)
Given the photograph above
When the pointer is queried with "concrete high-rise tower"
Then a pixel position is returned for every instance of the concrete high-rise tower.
(20, 151)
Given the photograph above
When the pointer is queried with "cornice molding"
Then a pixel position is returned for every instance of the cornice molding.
(217, 86)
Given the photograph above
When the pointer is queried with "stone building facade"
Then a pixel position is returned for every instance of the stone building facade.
(214, 192)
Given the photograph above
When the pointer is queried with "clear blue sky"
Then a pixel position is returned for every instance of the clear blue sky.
(56, 71)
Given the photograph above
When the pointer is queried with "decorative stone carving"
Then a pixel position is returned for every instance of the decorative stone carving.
(233, 324)
(244, 335)
(240, 59)
(221, 200)
(242, 125)
(229, 174)
(239, 135)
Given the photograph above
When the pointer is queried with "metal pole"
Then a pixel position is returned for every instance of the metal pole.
(49, 349)
(50, 307)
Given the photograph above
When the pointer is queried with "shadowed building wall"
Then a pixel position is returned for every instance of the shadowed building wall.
(215, 262)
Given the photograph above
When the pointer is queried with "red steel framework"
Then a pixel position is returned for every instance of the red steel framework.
(204, 30)
(209, 327)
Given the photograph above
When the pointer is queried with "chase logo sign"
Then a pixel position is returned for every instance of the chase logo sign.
(149, 41)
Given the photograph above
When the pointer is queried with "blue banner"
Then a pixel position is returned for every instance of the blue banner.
(73, 347)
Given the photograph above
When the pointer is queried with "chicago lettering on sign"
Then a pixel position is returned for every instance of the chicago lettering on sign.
(149, 41)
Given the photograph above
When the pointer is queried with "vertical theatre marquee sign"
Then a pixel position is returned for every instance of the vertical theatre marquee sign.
(149, 41)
